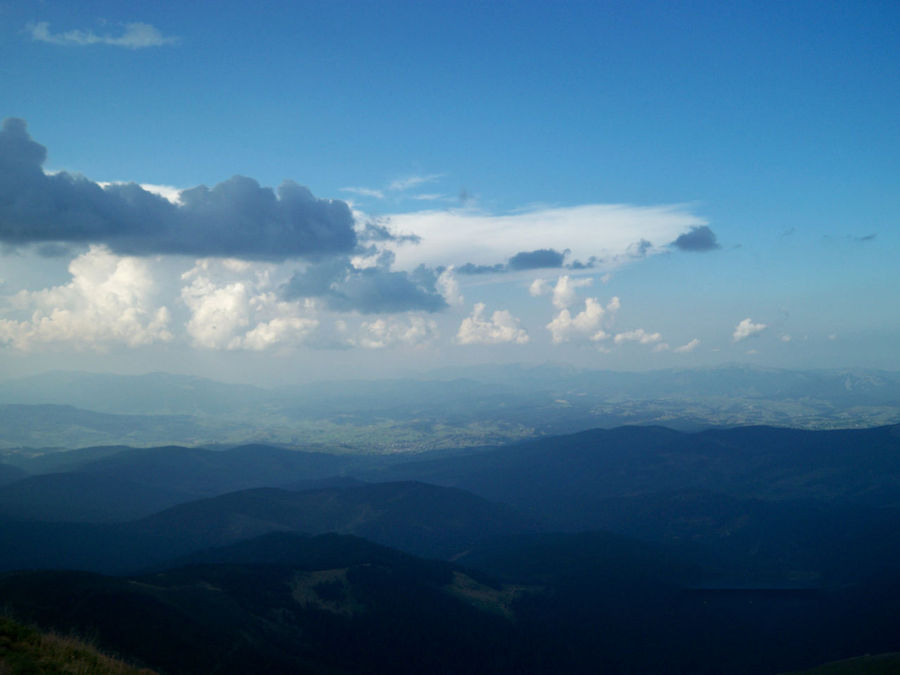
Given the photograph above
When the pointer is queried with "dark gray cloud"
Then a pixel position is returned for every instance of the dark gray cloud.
(698, 239)
(375, 232)
(578, 265)
(236, 218)
(533, 260)
(372, 290)
(525, 260)
(54, 250)
(639, 248)
(867, 237)
(471, 268)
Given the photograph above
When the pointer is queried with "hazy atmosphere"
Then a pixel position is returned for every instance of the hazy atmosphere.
(502, 338)
(358, 189)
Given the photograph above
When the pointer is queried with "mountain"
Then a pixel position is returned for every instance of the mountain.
(566, 480)
(424, 519)
(80, 497)
(149, 394)
(209, 472)
(53, 460)
(414, 517)
(531, 603)
(117, 484)
(466, 407)
(65, 426)
(10, 473)
(326, 604)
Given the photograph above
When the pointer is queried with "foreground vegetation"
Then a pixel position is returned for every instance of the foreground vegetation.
(27, 650)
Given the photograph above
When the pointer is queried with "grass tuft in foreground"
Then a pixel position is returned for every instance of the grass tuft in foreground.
(26, 650)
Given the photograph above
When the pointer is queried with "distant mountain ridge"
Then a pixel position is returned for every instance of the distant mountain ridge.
(464, 407)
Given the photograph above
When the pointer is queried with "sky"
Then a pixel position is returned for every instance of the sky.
(360, 189)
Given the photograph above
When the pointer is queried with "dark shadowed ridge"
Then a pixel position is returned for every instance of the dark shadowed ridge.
(415, 517)
(10, 473)
(77, 497)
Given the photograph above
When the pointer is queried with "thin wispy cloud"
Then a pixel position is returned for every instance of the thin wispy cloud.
(401, 184)
(136, 35)
(429, 197)
(364, 192)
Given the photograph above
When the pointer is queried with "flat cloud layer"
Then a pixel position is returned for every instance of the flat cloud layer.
(477, 242)
(236, 218)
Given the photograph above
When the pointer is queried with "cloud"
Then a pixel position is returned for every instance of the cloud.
(746, 329)
(233, 306)
(501, 328)
(236, 218)
(429, 197)
(448, 287)
(344, 287)
(640, 249)
(592, 232)
(638, 335)
(218, 313)
(108, 301)
(281, 332)
(588, 323)
(364, 192)
(470, 269)
(524, 260)
(134, 36)
(401, 184)
(541, 258)
(867, 237)
(169, 192)
(368, 232)
(699, 238)
(564, 291)
(686, 348)
(538, 288)
(381, 333)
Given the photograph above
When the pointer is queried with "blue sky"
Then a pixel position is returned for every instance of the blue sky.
(727, 172)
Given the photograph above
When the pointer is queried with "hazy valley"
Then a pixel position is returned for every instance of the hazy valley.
(704, 548)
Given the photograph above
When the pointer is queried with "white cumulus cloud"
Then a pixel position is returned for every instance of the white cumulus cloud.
(381, 333)
(502, 327)
(746, 329)
(110, 300)
(233, 306)
(588, 323)
(448, 286)
(564, 291)
(688, 347)
(638, 335)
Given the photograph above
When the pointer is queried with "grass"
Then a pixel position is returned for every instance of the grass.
(25, 650)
